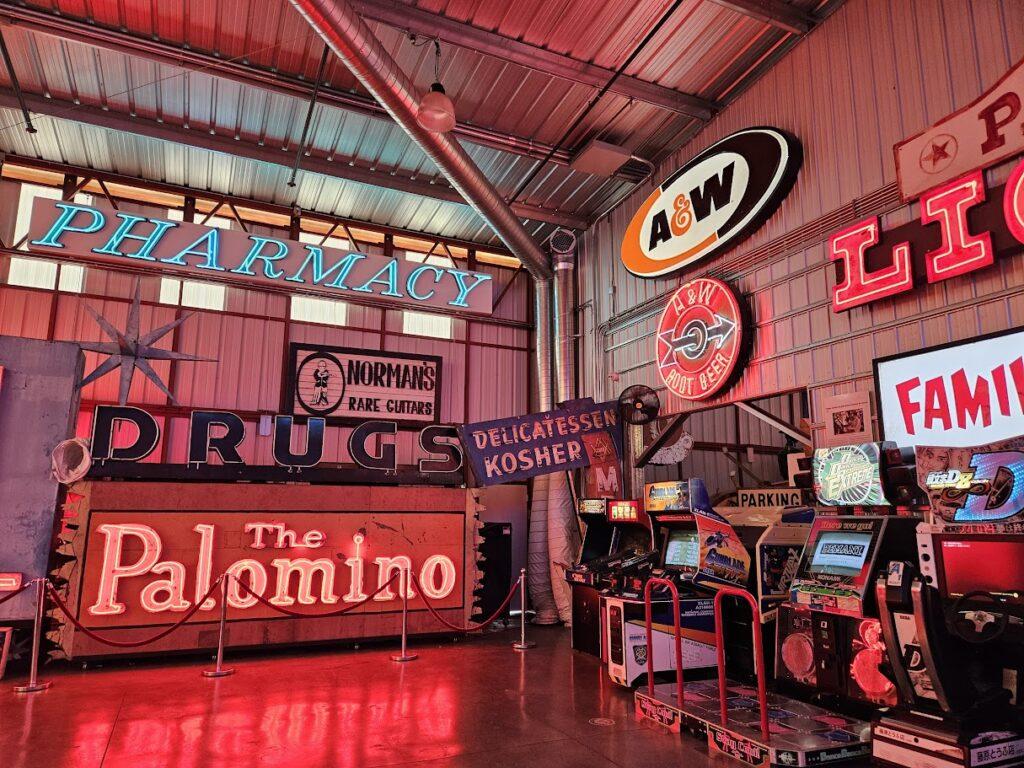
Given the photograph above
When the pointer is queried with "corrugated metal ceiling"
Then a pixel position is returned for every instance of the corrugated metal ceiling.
(704, 50)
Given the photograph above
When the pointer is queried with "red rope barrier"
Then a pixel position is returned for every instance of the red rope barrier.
(483, 625)
(298, 615)
(129, 643)
(15, 593)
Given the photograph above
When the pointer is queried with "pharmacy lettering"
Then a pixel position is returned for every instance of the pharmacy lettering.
(149, 568)
(506, 450)
(105, 236)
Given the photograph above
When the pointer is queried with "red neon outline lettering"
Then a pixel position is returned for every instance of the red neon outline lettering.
(387, 566)
(961, 252)
(113, 571)
(428, 572)
(257, 582)
(860, 287)
(1013, 202)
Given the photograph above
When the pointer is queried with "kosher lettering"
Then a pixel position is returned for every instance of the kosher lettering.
(100, 234)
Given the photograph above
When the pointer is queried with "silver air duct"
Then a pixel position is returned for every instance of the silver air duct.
(538, 553)
(351, 40)
(563, 529)
(354, 43)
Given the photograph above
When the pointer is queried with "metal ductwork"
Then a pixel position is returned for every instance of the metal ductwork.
(354, 43)
(538, 553)
(349, 37)
(563, 528)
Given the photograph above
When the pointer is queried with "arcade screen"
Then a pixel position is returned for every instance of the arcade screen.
(988, 564)
(682, 549)
(623, 512)
(668, 497)
(840, 553)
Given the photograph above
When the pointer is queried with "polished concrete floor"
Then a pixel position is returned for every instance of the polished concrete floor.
(472, 704)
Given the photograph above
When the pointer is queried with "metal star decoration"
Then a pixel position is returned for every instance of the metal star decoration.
(129, 350)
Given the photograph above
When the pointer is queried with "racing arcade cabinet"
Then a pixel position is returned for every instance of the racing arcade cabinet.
(954, 630)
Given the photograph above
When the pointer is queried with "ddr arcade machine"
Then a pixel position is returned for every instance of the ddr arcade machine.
(954, 627)
(828, 597)
(829, 639)
(700, 558)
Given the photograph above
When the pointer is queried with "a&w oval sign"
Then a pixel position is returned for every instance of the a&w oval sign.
(714, 201)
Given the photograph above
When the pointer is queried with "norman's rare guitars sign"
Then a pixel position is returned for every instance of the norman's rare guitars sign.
(962, 227)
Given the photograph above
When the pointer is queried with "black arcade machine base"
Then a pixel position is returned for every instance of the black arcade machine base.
(801, 734)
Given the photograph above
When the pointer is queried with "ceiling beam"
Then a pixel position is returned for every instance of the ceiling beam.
(273, 209)
(412, 19)
(281, 156)
(245, 73)
(774, 12)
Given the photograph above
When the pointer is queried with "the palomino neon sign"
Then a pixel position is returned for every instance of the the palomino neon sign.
(133, 551)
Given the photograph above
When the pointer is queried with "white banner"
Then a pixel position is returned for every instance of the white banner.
(959, 395)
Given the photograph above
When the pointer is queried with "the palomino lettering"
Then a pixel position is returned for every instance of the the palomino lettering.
(132, 551)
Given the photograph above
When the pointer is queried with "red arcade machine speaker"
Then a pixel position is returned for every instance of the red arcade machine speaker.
(865, 656)
(795, 660)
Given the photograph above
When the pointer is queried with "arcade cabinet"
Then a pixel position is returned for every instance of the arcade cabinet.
(583, 578)
(829, 640)
(779, 551)
(670, 506)
(954, 628)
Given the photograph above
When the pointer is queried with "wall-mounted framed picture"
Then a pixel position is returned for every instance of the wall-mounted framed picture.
(847, 419)
(346, 385)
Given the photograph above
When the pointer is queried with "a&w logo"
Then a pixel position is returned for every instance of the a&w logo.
(715, 200)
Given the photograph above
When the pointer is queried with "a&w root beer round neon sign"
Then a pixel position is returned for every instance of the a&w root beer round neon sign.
(700, 339)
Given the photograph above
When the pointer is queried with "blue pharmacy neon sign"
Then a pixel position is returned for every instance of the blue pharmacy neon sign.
(102, 235)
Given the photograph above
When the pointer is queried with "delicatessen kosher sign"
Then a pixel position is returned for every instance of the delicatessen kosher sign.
(102, 235)
(517, 448)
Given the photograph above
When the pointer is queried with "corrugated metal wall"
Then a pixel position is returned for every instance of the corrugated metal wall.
(249, 340)
(874, 73)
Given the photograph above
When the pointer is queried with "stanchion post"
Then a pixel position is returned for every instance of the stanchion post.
(34, 684)
(523, 644)
(219, 670)
(403, 582)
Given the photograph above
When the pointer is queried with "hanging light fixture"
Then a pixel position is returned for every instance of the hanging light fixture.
(436, 112)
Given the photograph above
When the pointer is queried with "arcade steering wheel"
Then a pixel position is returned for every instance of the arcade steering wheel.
(979, 626)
